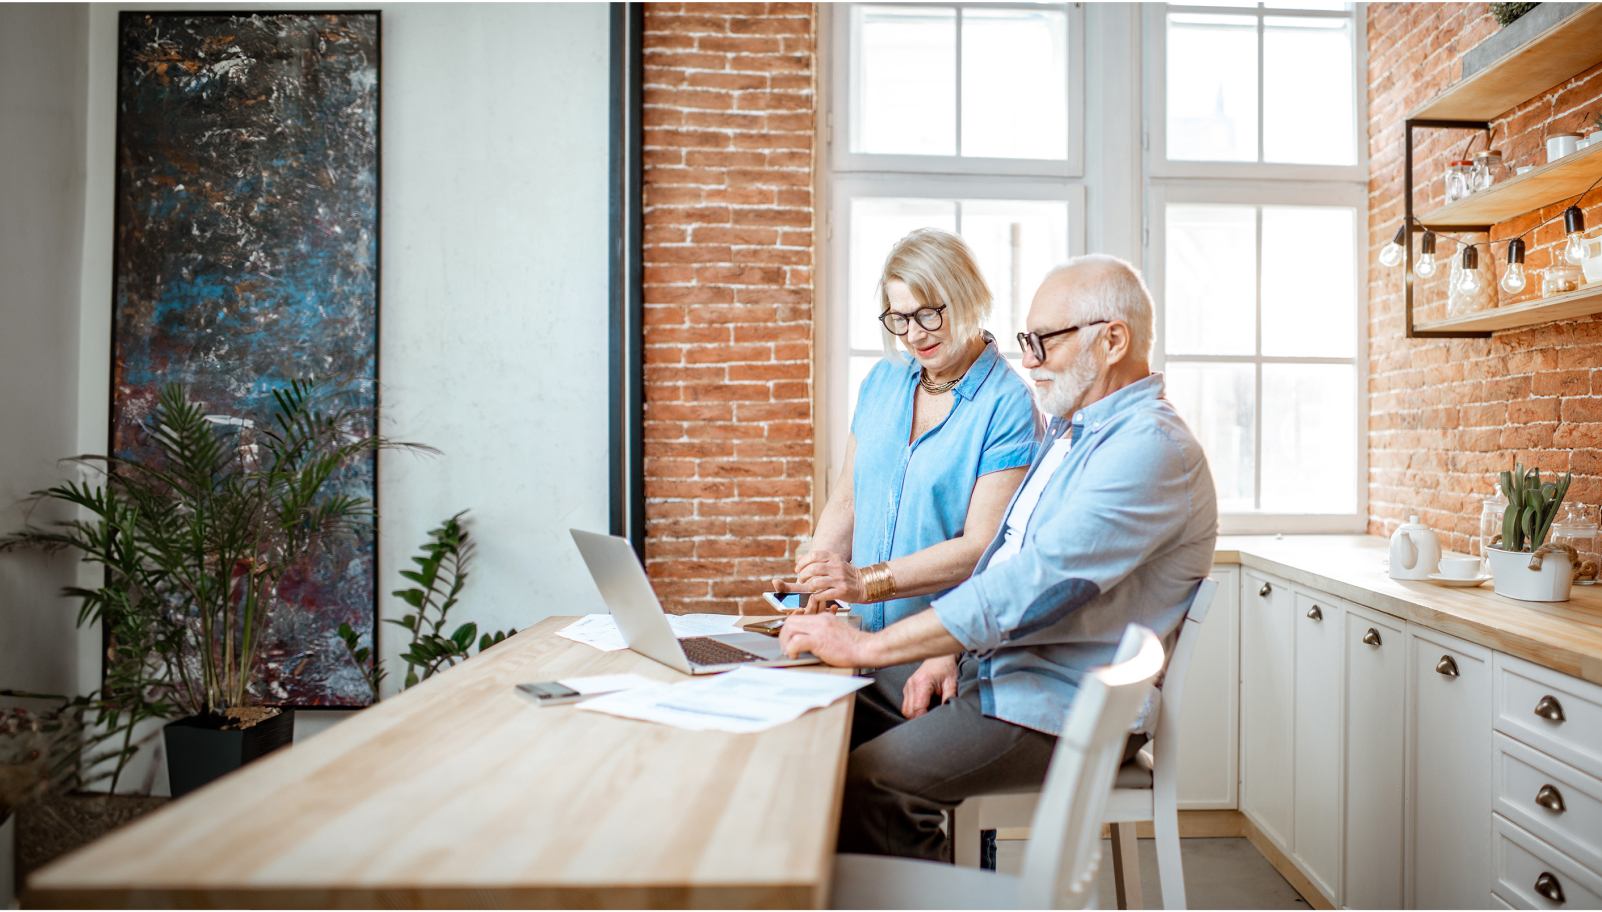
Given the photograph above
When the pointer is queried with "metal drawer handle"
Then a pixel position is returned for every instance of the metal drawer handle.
(1549, 709)
(1551, 799)
(1316, 614)
(1548, 886)
(1265, 590)
(1372, 638)
(1446, 667)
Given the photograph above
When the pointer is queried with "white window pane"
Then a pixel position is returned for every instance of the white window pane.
(1309, 438)
(1216, 400)
(876, 225)
(1307, 5)
(1245, 3)
(1212, 88)
(1307, 91)
(1014, 83)
(1309, 282)
(1210, 280)
(860, 366)
(904, 78)
(1016, 242)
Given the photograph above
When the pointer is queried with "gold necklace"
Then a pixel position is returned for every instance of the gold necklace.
(935, 389)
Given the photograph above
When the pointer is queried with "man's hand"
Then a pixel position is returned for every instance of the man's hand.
(829, 638)
(828, 576)
(935, 676)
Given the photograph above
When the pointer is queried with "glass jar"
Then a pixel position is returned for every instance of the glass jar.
(1487, 171)
(1577, 528)
(1457, 180)
(1492, 510)
(1560, 279)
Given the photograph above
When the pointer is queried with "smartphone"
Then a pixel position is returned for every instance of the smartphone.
(549, 693)
(787, 601)
(772, 627)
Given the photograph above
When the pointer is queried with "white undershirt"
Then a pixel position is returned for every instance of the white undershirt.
(1028, 499)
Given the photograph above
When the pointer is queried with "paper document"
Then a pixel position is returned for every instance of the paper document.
(742, 701)
(600, 684)
(600, 631)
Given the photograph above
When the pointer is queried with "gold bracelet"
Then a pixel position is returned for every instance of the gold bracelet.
(879, 582)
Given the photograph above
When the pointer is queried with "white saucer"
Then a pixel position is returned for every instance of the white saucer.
(1459, 583)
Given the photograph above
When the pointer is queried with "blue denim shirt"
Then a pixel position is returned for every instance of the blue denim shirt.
(1123, 533)
(908, 497)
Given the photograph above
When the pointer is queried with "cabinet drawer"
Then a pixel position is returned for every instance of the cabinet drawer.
(1522, 862)
(1526, 694)
(1570, 815)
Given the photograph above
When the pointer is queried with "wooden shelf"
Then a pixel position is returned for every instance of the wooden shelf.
(1582, 303)
(1572, 46)
(1551, 183)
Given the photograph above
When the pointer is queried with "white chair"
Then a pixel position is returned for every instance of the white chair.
(1060, 864)
(1146, 788)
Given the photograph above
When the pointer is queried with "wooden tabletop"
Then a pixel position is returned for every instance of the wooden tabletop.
(458, 792)
(1563, 636)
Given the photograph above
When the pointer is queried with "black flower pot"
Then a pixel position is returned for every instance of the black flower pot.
(201, 748)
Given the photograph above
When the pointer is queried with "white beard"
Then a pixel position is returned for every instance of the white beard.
(1068, 387)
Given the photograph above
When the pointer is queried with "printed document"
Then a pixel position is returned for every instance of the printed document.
(600, 631)
(742, 701)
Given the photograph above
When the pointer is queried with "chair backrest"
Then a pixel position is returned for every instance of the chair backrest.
(1065, 837)
(1165, 739)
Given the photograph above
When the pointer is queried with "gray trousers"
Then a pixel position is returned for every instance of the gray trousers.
(903, 775)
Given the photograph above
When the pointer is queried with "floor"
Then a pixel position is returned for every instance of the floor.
(1219, 874)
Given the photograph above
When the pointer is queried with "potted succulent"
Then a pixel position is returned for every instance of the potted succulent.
(1526, 566)
(195, 540)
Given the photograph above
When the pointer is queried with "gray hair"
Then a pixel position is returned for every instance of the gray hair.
(1114, 290)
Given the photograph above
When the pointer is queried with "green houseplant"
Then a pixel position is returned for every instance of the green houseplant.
(1519, 567)
(196, 538)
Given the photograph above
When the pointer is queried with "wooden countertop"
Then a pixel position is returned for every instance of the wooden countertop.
(459, 793)
(1563, 636)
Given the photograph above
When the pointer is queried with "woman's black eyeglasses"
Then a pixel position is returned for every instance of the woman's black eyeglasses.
(1035, 343)
(929, 318)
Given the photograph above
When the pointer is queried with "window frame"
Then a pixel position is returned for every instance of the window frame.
(1155, 22)
(1269, 193)
(842, 160)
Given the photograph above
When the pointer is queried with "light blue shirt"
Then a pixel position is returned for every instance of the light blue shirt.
(911, 496)
(1123, 533)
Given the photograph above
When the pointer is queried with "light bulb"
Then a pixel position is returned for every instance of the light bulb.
(1394, 251)
(1425, 267)
(1513, 279)
(1574, 226)
(1469, 280)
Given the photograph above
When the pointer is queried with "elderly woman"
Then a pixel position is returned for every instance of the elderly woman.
(938, 445)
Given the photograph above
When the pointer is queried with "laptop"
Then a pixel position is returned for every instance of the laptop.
(628, 595)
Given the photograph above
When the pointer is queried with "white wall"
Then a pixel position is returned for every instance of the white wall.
(493, 308)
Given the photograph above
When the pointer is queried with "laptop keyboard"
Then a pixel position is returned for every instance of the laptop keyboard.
(705, 651)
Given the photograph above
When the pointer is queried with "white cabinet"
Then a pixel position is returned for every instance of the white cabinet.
(1376, 681)
(1448, 772)
(1267, 704)
(1316, 782)
(1208, 739)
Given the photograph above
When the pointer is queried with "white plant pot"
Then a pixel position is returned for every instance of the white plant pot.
(1512, 576)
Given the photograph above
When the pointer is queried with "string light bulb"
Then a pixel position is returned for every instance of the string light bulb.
(1394, 251)
(1425, 267)
(1513, 278)
(1574, 227)
(1468, 281)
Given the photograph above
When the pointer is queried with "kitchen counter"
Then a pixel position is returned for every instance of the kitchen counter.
(1563, 636)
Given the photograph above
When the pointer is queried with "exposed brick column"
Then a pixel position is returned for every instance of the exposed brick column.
(729, 116)
(1443, 414)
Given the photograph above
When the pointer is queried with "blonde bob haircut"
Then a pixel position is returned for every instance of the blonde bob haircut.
(938, 268)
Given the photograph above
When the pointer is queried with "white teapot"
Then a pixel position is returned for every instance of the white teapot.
(1415, 551)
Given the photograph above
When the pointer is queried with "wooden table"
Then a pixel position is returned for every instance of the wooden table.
(458, 792)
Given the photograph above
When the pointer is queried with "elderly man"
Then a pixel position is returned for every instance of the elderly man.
(1115, 524)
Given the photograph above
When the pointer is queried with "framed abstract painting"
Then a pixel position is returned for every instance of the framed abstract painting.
(247, 257)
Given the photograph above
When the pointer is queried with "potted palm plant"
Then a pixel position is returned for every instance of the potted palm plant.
(1526, 566)
(195, 540)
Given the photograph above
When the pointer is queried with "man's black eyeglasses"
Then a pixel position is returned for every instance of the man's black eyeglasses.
(1035, 343)
(929, 318)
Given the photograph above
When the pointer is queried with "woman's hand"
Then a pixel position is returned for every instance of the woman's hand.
(935, 676)
(828, 576)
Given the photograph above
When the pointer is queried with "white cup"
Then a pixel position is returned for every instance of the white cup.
(1460, 567)
(1560, 144)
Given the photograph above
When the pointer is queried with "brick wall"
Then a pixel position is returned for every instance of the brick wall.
(729, 115)
(1444, 414)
